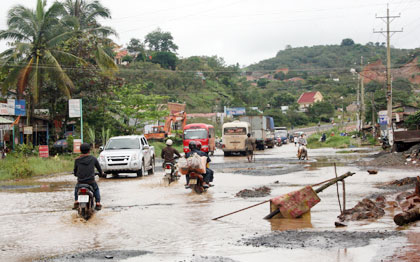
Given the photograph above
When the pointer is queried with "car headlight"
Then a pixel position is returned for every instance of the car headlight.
(102, 158)
(134, 157)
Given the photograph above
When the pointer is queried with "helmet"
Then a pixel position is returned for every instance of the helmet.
(192, 145)
(84, 148)
(169, 142)
(198, 145)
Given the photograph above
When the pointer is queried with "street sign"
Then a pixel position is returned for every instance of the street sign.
(383, 117)
(76, 145)
(43, 151)
(20, 107)
(28, 130)
(75, 108)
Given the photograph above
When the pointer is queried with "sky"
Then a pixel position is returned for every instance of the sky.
(248, 31)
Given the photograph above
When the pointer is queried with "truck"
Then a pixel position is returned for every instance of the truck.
(262, 129)
(127, 154)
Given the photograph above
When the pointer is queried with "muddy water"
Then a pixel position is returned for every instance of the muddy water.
(170, 223)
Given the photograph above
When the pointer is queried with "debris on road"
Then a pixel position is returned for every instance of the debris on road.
(365, 209)
(411, 207)
(372, 171)
(256, 192)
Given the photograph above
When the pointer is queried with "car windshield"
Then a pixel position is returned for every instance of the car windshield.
(280, 133)
(234, 131)
(195, 134)
(123, 143)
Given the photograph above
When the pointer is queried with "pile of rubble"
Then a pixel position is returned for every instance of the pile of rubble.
(365, 209)
(256, 192)
(412, 156)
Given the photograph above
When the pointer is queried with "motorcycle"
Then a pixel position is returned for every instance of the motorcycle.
(385, 143)
(171, 172)
(196, 182)
(302, 153)
(86, 201)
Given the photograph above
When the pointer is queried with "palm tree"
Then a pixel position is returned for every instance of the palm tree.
(33, 56)
(83, 16)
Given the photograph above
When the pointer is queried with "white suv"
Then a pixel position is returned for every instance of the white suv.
(127, 154)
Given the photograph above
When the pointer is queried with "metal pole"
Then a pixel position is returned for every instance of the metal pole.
(388, 77)
(81, 120)
(13, 137)
(362, 96)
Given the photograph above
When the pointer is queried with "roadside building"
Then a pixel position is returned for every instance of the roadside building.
(309, 98)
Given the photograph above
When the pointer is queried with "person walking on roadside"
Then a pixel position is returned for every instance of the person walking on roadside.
(250, 146)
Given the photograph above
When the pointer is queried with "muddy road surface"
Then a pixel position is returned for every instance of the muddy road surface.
(145, 219)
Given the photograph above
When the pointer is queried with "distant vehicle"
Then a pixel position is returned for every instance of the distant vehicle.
(233, 137)
(161, 132)
(127, 154)
(282, 134)
(61, 145)
(203, 133)
(262, 129)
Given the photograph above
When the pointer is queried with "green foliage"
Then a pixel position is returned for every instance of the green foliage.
(347, 42)
(160, 41)
(413, 121)
(21, 170)
(132, 108)
(24, 149)
(166, 60)
(321, 111)
(70, 142)
(106, 134)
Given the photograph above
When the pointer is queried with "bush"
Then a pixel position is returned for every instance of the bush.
(24, 149)
(21, 169)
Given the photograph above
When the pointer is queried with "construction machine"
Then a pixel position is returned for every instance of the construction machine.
(161, 132)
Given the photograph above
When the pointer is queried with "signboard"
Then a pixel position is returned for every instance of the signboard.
(42, 112)
(235, 111)
(20, 107)
(76, 145)
(43, 151)
(28, 130)
(75, 106)
(383, 117)
(4, 109)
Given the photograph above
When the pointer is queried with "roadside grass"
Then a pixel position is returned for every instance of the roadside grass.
(18, 166)
(335, 140)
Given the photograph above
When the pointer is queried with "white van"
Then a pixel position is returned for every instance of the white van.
(233, 137)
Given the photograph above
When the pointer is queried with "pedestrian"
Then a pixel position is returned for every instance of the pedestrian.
(84, 170)
(250, 145)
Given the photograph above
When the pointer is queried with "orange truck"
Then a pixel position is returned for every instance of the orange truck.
(161, 132)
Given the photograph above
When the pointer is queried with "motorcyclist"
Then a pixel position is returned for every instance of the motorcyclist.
(195, 149)
(168, 154)
(84, 170)
(302, 144)
(208, 170)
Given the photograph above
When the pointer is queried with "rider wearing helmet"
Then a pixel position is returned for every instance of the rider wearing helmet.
(168, 153)
(195, 147)
(84, 170)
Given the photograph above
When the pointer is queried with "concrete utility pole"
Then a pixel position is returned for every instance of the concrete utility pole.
(358, 104)
(362, 95)
(388, 32)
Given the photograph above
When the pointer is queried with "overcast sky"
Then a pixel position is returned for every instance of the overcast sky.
(247, 31)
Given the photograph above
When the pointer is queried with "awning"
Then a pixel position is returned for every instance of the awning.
(4, 121)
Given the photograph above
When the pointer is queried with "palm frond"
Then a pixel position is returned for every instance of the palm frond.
(13, 35)
(24, 76)
(35, 81)
(11, 79)
(105, 62)
(65, 82)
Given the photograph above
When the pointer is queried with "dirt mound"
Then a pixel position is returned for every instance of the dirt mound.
(256, 192)
(387, 160)
(403, 182)
(365, 209)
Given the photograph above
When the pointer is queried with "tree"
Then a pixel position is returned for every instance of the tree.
(160, 41)
(83, 16)
(347, 42)
(166, 60)
(34, 56)
(132, 108)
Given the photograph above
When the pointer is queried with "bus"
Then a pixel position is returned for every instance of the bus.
(233, 137)
(203, 133)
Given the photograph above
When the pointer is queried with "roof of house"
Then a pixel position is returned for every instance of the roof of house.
(308, 97)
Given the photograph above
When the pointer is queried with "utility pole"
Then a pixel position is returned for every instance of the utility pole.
(358, 105)
(388, 32)
(362, 95)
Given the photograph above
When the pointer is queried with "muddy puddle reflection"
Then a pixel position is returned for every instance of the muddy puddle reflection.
(173, 224)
